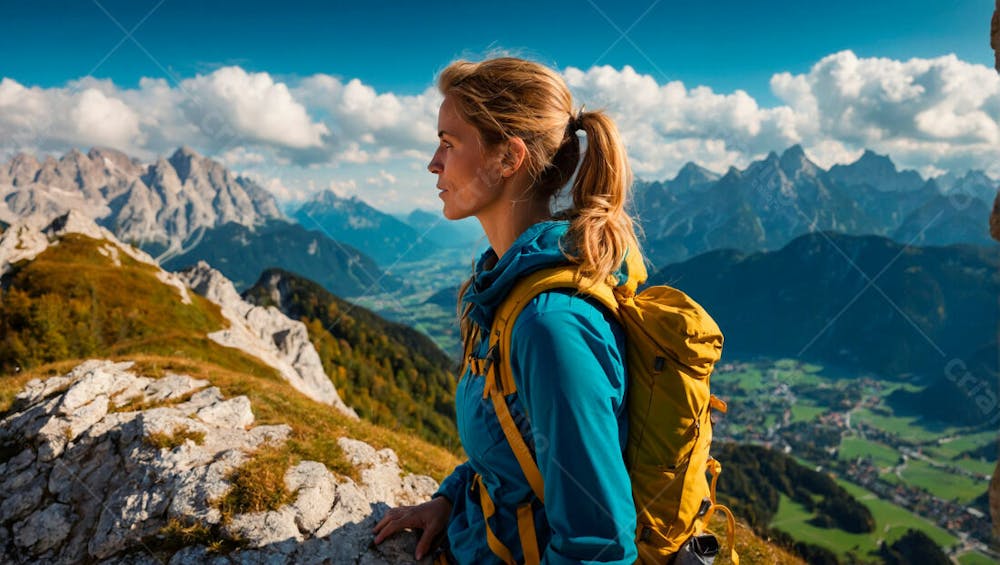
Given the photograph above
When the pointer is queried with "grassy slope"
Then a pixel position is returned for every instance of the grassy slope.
(76, 298)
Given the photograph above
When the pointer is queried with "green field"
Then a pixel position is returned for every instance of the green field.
(905, 427)
(951, 447)
(942, 483)
(975, 465)
(975, 558)
(882, 455)
(891, 523)
(802, 412)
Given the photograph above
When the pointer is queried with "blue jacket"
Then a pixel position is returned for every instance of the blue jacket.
(567, 360)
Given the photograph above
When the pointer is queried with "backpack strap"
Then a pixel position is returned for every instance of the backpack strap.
(496, 369)
(499, 378)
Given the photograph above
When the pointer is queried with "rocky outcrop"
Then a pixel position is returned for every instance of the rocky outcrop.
(83, 478)
(162, 203)
(266, 333)
(29, 237)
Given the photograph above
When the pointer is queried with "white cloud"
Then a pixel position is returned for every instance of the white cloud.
(106, 120)
(253, 106)
(936, 115)
(383, 178)
(364, 121)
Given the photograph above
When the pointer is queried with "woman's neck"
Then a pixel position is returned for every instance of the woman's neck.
(503, 224)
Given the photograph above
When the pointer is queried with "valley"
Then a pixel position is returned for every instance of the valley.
(910, 473)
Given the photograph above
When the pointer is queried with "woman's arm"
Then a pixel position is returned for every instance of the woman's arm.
(567, 362)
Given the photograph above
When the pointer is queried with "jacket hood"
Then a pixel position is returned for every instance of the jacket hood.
(537, 248)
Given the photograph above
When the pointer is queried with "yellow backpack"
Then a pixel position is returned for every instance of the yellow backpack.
(672, 346)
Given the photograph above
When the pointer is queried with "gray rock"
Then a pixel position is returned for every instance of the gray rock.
(20, 461)
(44, 530)
(170, 387)
(315, 492)
(232, 413)
(198, 488)
(201, 399)
(164, 202)
(267, 334)
(260, 529)
(87, 485)
(19, 503)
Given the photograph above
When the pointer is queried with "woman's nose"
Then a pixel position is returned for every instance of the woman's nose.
(434, 166)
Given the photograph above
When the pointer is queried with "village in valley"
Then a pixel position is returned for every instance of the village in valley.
(843, 425)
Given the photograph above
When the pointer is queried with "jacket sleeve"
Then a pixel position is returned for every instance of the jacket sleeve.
(566, 358)
(454, 484)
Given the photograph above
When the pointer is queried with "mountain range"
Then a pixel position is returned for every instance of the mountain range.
(157, 205)
(771, 201)
(352, 221)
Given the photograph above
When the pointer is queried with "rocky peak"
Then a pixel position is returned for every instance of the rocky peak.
(185, 161)
(163, 203)
(96, 464)
(115, 161)
(22, 169)
(692, 175)
(877, 171)
(266, 333)
(794, 163)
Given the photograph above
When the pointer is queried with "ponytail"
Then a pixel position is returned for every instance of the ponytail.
(601, 231)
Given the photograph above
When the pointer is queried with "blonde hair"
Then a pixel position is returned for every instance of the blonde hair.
(508, 97)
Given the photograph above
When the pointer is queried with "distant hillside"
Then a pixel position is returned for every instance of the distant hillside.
(391, 374)
(383, 237)
(808, 300)
(242, 254)
(72, 302)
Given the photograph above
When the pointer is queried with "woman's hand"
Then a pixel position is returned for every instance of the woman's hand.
(431, 517)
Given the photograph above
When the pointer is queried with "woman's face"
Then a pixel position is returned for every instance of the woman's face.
(468, 173)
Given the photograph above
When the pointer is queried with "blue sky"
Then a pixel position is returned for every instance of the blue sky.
(339, 95)
(399, 46)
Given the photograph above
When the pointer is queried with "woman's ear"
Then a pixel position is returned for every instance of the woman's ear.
(514, 157)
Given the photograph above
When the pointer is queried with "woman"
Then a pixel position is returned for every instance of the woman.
(508, 144)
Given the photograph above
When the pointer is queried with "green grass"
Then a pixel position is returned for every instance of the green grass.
(910, 428)
(882, 455)
(176, 438)
(894, 520)
(750, 379)
(793, 519)
(975, 558)
(975, 465)
(891, 523)
(805, 413)
(942, 483)
(951, 447)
